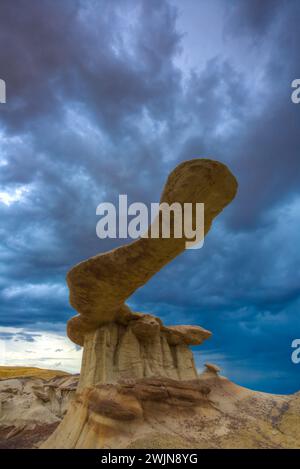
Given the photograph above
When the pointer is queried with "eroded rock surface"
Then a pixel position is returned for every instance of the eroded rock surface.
(140, 348)
(212, 368)
(207, 412)
(32, 407)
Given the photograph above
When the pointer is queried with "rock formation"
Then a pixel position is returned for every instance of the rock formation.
(151, 413)
(210, 412)
(32, 406)
(119, 343)
(211, 368)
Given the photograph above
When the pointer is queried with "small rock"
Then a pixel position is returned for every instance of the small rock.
(212, 368)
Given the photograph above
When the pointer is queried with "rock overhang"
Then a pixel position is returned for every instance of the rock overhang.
(98, 286)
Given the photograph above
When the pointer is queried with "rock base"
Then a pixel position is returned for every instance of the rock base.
(151, 413)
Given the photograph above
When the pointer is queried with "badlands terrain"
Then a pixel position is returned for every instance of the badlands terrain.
(210, 412)
(32, 404)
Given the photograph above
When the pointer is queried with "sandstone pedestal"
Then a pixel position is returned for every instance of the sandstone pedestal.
(142, 348)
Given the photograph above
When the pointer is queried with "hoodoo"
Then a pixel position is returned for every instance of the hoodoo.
(119, 343)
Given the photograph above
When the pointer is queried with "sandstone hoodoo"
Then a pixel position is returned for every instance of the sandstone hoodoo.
(119, 343)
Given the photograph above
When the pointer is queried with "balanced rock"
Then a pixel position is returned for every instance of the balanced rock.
(100, 285)
(119, 343)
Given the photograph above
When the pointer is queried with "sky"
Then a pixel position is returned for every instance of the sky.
(106, 98)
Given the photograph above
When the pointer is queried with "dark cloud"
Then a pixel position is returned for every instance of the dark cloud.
(253, 17)
(97, 107)
(267, 159)
(53, 54)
